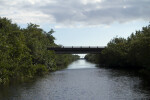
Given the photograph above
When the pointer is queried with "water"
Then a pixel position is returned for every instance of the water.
(80, 81)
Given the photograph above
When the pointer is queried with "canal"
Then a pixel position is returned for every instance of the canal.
(80, 81)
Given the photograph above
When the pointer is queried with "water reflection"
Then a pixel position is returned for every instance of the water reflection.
(81, 81)
(124, 85)
(79, 64)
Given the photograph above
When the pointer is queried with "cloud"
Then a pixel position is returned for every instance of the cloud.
(75, 12)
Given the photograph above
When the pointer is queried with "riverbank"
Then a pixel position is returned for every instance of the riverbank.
(24, 54)
(132, 53)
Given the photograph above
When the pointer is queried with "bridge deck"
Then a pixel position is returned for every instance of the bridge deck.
(76, 50)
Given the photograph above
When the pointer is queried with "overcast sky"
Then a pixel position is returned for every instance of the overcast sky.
(80, 22)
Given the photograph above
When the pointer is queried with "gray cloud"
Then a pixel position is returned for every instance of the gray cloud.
(76, 12)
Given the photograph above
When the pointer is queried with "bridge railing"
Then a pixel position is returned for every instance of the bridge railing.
(78, 47)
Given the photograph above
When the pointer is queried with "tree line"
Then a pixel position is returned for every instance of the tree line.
(130, 53)
(24, 54)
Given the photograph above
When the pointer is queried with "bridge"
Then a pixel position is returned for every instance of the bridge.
(77, 49)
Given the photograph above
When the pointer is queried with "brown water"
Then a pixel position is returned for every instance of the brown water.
(80, 81)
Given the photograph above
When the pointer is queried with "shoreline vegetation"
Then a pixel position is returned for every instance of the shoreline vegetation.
(24, 54)
(132, 53)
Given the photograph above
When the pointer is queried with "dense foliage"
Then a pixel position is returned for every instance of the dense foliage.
(133, 52)
(92, 58)
(24, 54)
